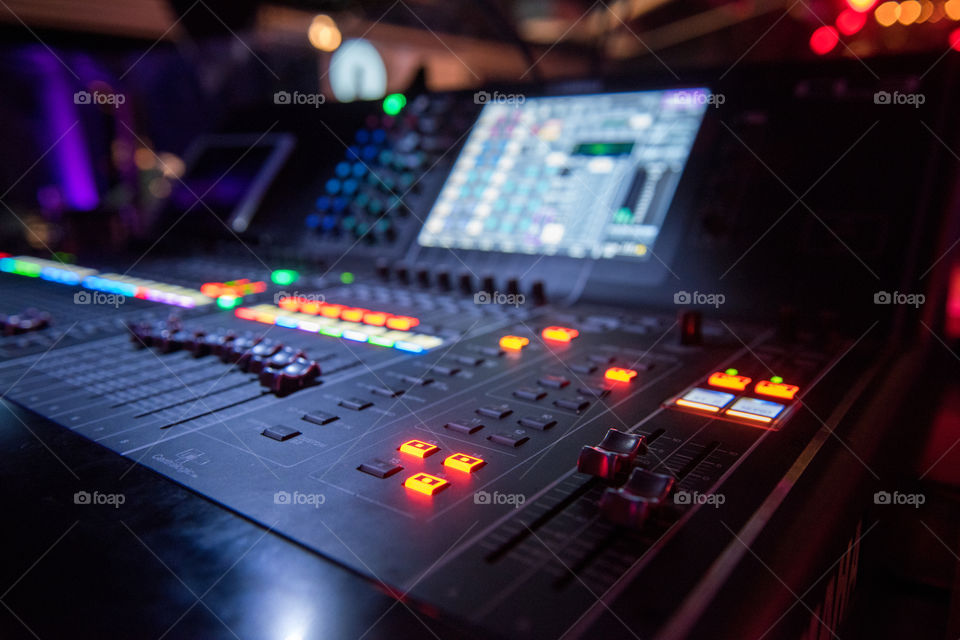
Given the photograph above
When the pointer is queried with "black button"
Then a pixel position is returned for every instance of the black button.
(471, 361)
(577, 405)
(600, 358)
(541, 423)
(320, 417)
(356, 404)
(445, 370)
(529, 393)
(583, 367)
(508, 439)
(387, 393)
(464, 426)
(493, 352)
(499, 411)
(280, 433)
(380, 468)
(631, 504)
(596, 392)
(554, 382)
(417, 381)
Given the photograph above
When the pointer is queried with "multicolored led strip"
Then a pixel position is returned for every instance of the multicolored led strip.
(380, 336)
(108, 282)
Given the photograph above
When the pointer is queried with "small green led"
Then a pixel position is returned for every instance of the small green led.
(394, 103)
(380, 342)
(346, 277)
(776, 379)
(331, 331)
(283, 277)
(229, 302)
(731, 372)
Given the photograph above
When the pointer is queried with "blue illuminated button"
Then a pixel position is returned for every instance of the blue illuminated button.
(755, 409)
(705, 399)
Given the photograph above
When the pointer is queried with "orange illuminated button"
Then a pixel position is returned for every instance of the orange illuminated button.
(402, 323)
(560, 334)
(375, 318)
(211, 289)
(352, 315)
(620, 375)
(290, 303)
(777, 389)
(463, 462)
(728, 381)
(425, 483)
(513, 343)
(331, 310)
(418, 448)
(311, 307)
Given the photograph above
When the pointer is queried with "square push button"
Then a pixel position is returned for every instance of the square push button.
(380, 468)
(425, 483)
(463, 462)
(705, 399)
(776, 389)
(418, 448)
(755, 409)
(280, 433)
(728, 380)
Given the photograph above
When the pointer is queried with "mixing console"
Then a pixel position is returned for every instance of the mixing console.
(478, 380)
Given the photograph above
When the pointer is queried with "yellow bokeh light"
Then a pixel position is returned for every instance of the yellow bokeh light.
(861, 5)
(324, 34)
(144, 159)
(909, 12)
(887, 13)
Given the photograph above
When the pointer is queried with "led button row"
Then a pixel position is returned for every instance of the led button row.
(349, 314)
(236, 288)
(774, 387)
(427, 484)
(755, 409)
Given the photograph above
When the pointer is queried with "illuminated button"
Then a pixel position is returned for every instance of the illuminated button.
(402, 323)
(728, 381)
(777, 389)
(513, 343)
(331, 310)
(425, 483)
(375, 318)
(463, 462)
(620, 375)
(311, 307)
(705, 399)
(290, 303)
(755, 409)
(352, 315)
(560, 334)
(418, 448)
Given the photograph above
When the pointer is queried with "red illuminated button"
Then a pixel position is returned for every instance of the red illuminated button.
(245, 313)
(560, 334)
(513, 343)
(620, 375)
(777, 389)
(352, 315)
(728, 381)
(463, 462)
(418, 448)
(402, 323)
(425, 483)
(209, 289)
(375, 318)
